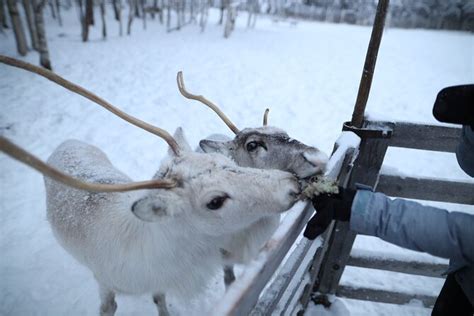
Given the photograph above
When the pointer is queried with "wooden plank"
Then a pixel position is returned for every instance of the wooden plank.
(424, 137)
(383, 296)
(434, 270)
(365, 171)
(293, 271)
(343, 178)
(427, 189)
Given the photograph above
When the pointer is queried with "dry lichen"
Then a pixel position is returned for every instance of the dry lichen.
(319, 185)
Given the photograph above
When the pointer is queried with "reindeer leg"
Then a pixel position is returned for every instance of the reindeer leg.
(108, 306)
(229, 276)
(160, 301)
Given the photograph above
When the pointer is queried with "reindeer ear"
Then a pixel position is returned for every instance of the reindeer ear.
(152, 208)
(181, 140)
(213, 146)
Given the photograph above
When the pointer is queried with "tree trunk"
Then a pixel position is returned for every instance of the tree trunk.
(115, 5)
(17, 28)
(136, 8)
(118, 14)
(39, 23)
(102, 15)
(192, 18)
(89, 12)
(162, 7)
(224, 5)
(204, 14)
(168, 16)
(84, 26)
(58, 11)
(53, 12)
(142, 5)
(130, 16)
(155, 9)
(31, 24)
(3, 16)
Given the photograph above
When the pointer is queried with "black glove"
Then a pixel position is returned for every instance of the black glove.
(329, 207)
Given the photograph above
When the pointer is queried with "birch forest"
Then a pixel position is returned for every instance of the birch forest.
(24, 18)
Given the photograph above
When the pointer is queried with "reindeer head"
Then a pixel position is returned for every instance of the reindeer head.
(214, 196)
(264, 147)
(269, 148)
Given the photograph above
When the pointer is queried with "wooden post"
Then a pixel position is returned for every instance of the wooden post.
(369, 65)
(366, 170)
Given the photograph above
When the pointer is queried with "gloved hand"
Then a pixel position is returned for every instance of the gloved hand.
(329, 207)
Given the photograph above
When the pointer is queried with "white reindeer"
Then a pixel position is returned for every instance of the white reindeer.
(164, 239)
(265, 148)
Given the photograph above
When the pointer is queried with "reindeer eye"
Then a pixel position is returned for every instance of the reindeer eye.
(252, 146)
(217, 202)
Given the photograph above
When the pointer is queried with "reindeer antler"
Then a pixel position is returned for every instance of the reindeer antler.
(22, 155)
(265, 117)
(202, 99)
(94, 98)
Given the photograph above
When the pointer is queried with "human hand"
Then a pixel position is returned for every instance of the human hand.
(329, 207)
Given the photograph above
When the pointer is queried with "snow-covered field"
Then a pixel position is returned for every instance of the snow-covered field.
(307, 73)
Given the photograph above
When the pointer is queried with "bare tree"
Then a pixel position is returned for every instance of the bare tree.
(38, 7)
(89, 12)
(230, 19)
(17, 28)
(204, 14)
(3, 16)
(58, 11)
(161, 8)
(168, 15)
(102, 15)
(117, 4)
(143, 9)
(53, 10)
(131, 4)
(224, 5)
(31, 24)
(253, 9)
(84, 26)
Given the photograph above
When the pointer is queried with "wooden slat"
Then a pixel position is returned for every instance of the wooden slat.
(413, 267)
(425, 137)
(365, 171)
(383, 296)
(293, 271)
(319, 256)
(427, 189)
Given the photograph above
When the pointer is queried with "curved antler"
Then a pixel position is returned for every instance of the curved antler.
(22, 155)
(200, 98)
(265, 117)
(94, 98)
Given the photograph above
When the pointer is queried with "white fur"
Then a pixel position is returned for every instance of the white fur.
(280, 152)
(171, 241)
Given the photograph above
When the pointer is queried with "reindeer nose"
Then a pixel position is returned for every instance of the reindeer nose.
(316, 158)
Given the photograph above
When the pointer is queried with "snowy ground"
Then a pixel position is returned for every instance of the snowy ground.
(307, 73)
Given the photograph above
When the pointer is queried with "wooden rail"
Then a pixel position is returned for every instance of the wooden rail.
(421, 136)
(382, 296)
(427, 189)
(428, 269)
